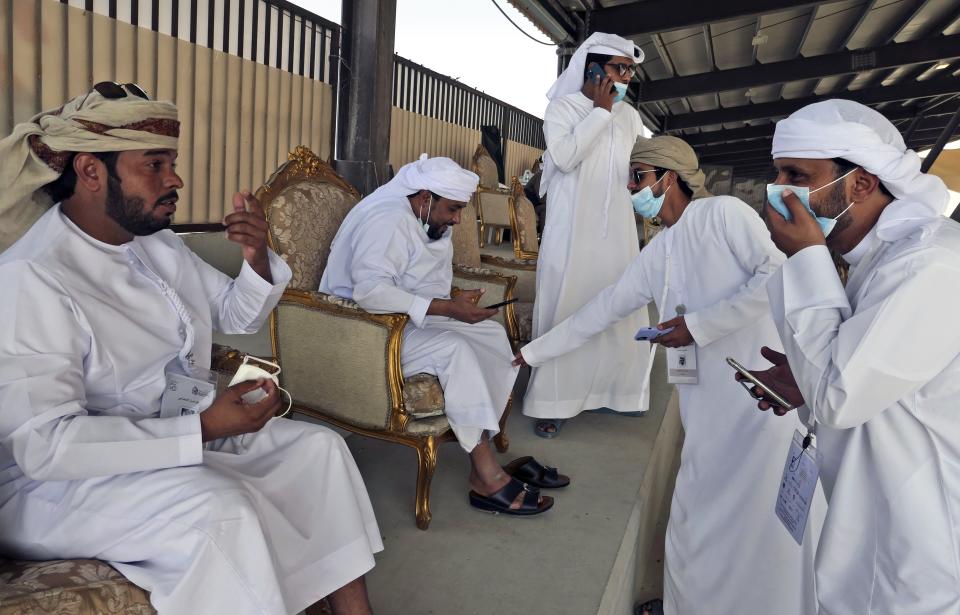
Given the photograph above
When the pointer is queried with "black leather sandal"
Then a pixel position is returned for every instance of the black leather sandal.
(501, 501)
(529, 470)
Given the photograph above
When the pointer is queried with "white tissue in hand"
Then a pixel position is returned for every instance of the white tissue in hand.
(248, 372)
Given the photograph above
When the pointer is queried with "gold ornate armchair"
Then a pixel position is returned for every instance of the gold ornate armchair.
(340, 363)
(491, 201)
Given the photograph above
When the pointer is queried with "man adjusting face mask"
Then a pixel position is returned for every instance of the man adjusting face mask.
(775, 197)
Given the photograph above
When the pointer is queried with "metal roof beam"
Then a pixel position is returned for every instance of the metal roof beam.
(867, 96)
(840, 63)
(731, 134)
(738, 147)
(657, 16)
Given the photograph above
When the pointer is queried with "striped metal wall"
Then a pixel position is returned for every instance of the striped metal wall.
(239, 117)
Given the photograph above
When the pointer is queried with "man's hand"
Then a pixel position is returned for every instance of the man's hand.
(680, 336)
(464, 307)
(247, 225)
(793, 235)
(599, 91)
(519, 361)
(779, 378)
(231, 416)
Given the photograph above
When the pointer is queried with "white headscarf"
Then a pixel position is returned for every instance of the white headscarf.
(439, 175)
(571, 79)
(852, 131)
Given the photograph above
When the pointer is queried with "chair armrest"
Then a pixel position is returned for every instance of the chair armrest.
(524, 270)
(340, 361)
(496, 288)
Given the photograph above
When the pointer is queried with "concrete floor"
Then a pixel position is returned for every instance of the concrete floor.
(470, 562)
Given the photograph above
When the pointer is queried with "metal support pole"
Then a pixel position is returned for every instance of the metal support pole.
(941, 141)
(365, 92)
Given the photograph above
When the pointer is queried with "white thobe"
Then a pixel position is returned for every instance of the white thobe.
(878, 364)
(589, 238)
(382, 258)
(726, 552)
(267, 522)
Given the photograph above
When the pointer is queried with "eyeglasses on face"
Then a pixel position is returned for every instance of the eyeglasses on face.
(638, 174)
(624, 69)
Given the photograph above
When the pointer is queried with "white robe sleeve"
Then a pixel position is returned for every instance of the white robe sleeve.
(614, 303)
(381, 255)
(44, 424)
(749, 241)
(242, 305)
(568, 143)
(852, 367)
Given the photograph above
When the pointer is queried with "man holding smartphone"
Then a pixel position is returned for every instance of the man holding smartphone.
(726, 552)
(876, 362)
(393, 253)
(590, 234)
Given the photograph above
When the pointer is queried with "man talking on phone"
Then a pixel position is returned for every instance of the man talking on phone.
(590, 234)
(877, 362)
(393, 253)
(725, 550)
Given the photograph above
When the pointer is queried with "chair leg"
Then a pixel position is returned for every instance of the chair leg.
(501, 439)
(427, 458)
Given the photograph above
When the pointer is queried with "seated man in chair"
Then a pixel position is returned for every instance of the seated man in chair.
(393, 253)
(227, 510)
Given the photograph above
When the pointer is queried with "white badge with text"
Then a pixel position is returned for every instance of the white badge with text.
(799, 482)
(682, 365)
(187, 394)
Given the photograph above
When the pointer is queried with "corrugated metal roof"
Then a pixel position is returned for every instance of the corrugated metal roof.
(721, 73)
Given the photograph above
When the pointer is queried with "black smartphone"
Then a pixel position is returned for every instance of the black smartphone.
(501, 304)
(596, 71)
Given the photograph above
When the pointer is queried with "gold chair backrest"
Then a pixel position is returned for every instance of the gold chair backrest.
(466, 238)
(305, 201)
(524, 225)
(486, 168)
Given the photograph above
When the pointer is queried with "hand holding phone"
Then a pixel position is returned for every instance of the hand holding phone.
(499, 305)
(751, 381)
(650, 333)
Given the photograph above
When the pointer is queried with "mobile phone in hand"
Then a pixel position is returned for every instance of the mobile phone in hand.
(650, 333)
(769, 395)
(501, 304)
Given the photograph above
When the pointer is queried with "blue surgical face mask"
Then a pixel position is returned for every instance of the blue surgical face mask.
(621, 91)
(647, 205)
(775, 197)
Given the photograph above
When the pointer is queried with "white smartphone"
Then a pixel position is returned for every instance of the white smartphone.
(649, 333)
(751, 381)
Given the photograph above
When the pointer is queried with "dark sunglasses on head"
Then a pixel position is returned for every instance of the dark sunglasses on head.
(114, 91)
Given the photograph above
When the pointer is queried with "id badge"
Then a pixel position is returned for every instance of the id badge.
(187, 394)
(800, 474)
(682, 365)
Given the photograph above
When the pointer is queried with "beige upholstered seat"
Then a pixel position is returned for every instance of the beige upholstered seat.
(68, 587)
(340, 363)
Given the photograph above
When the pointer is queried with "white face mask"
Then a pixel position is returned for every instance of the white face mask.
(425, 222)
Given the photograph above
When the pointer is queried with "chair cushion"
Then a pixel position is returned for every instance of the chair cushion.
(68, 587)
(423, 396)
(304, 219)
(524, 312)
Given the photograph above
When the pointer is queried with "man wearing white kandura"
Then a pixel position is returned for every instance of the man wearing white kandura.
(394, 253)
(726, 551)
(590, 236)
(876, 363)
(213, 506)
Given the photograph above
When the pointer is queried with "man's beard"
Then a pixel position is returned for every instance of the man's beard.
(129, 213)
(835, 202)
(434, 232)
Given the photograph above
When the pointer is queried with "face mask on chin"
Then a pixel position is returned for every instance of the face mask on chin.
(775, 198)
